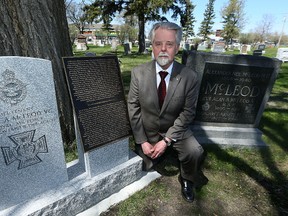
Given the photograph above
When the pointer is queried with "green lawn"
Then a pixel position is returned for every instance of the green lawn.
(242, 181)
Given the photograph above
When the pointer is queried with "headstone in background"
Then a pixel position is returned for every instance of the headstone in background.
(282, 54)
(81, 43)
(32, 156)
(127, 49)
(233, 93)
(257, 53)
(90, 54)
(98, 98)
(243, 50)
(202, 46)
(261, 47)
(114, 44)
(218, 47)
(186, 46)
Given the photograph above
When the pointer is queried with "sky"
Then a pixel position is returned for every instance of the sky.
(254, 10)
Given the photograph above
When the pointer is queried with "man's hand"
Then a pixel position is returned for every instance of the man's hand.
(159, 149)
(147, 149)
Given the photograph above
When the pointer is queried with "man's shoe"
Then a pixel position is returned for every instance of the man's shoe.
(186, 189)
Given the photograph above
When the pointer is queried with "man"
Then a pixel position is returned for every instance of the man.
(159, 124)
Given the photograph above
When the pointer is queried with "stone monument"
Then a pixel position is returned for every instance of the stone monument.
(234, 90)
(32, 157)
(243, 49)
(218, 47)
(282, 54)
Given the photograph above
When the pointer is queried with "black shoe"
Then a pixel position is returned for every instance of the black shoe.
(186, 189)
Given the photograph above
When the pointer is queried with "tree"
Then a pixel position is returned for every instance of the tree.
(145, 10)
(233, 19)
(128, 29)
(264, 27)
(39, 29)
(207, 23)
(188, 20)
(76, 15)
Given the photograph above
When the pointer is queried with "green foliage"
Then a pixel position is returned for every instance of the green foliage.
(232, 16)
(207, 23)
(188, 21)
(145, 10)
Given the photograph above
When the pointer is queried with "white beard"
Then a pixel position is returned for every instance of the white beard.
(162, 61)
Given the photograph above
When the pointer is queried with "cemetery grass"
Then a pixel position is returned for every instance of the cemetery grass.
(242, 181)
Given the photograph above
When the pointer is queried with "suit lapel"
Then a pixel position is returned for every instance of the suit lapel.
(151, 78)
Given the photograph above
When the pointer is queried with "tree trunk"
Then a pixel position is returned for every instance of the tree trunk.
(39, 29)
(141, 35)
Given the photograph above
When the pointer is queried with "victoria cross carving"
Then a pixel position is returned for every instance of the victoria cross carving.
(26, 150)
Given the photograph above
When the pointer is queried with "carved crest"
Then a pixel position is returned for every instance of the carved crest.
(12, 90)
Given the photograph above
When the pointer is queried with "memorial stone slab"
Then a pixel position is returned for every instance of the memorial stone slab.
(32, 156)
(202, 46)
(243, 49)
(257, 53)
(218, 47)
(233, 92)
(282, 54)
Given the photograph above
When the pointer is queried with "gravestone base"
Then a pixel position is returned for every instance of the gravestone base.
(82, 192)
(106, 157)
(228, 136)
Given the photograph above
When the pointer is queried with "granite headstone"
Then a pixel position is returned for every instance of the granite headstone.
(32, 156)
(282, 54)
(218, 47)
(243, 49)
(233, 93)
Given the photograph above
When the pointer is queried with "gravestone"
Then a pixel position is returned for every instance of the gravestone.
(218, 47)
(261, 47)
(90, 54)
(257, 53)
(243, 50)
(81, 43)
(202, 46)
(127, 49)
(32, 156)
(282, 54)
(186, 46)
(114, 44)
(234, 90)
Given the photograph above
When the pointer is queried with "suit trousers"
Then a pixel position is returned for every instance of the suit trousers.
(190, 155)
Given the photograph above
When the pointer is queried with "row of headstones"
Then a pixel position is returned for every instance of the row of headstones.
(219, 47)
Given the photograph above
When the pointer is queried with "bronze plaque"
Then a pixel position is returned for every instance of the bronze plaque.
(97, 94)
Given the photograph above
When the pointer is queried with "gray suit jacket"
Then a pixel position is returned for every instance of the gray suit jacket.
(178, 110)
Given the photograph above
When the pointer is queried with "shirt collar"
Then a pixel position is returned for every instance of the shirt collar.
(169, 69)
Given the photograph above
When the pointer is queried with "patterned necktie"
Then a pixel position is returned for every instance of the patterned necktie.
(162, 88)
